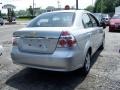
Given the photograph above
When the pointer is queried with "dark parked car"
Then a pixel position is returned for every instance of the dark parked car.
(114, 23)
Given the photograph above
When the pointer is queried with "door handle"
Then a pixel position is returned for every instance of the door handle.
(89, 34)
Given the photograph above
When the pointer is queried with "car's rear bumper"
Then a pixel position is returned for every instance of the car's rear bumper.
(60, 60)
(113, 28)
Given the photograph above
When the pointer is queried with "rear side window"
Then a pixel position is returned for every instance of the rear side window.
(94, 20)
(86, 21)
(56, 19)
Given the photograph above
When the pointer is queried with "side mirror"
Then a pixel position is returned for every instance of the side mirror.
(102, 24)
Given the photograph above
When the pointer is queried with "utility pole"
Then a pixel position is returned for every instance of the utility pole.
(58, 4)
(33, 7)
(76, 4)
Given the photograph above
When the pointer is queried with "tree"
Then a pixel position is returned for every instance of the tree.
(90, 8)
(117, 3)
(21, 13)
(0, 13)
(106, 6)
(109, 6)
(99, 6)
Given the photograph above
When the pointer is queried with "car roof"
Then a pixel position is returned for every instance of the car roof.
(75, 11)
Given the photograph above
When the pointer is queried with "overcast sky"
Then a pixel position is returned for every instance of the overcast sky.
(23, 4)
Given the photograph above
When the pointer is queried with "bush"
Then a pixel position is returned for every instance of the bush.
(26, 17)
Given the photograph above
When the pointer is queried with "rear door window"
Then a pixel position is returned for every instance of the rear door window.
(86, 21)
(94, 20)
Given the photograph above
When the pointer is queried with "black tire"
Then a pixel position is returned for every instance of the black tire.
(87, 64)
(1, 24)
(0, 54)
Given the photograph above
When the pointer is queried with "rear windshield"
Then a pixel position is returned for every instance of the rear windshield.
(116, 17)
(56, 19)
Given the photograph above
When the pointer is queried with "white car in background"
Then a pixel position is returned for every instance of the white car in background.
(1, 50)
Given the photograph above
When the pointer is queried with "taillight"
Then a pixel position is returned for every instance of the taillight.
(14, 41)
(66, 40)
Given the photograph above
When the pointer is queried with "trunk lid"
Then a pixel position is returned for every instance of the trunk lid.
(38, 40)
(115, 20)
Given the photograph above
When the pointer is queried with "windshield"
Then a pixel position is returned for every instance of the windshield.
(116, 17)
(56, 19)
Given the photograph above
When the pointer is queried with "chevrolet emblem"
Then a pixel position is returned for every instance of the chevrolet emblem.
(33, 34)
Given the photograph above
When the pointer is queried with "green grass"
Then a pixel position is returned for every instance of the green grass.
(23, 19)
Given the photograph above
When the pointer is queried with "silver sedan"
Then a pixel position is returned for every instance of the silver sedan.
(60, 41)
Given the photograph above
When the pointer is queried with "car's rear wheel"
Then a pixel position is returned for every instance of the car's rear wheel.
(87, 64)
(1, 23)
(0, 54)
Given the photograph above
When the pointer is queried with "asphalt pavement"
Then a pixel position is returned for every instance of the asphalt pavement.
(104, 73)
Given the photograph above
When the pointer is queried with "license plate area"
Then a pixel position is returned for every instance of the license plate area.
(35, 45)
(117, 25)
